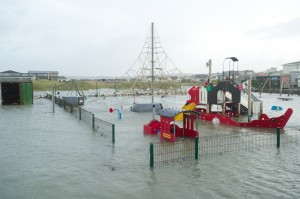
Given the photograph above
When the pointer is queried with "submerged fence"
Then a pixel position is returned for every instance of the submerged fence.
(163, 153)
(105, 128)
(188, 149)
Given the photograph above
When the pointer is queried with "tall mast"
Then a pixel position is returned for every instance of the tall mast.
(152, 68)
(208, 64)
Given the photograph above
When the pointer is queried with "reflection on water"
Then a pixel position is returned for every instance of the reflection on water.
(46, 155)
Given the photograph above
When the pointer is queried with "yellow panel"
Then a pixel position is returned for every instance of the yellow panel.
(187, 107)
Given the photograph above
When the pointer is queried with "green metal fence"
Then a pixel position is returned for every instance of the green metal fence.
(188, 149)
(105, 128)
(165, 152)
(219, 144)
(292, 137)
(87, 117)
(75, 112)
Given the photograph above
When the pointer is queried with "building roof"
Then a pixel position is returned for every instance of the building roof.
(15, 79)
(298, 62)
(34, 71)
(9, 71)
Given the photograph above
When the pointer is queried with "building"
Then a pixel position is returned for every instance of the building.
(199, 77)
(241, 75)
(11, 73)
(271, 70)
(295, 77)
(15, 90)
(51, 75)
(291, 67)
(269, 81)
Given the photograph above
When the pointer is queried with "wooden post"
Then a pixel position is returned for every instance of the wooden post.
(281, 86)
(207, 108)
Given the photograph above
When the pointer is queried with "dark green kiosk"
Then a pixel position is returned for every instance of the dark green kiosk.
(16, 91)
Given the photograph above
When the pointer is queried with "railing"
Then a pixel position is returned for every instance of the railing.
(165, 152)
(86, 116)
(188, 149)
(219, 144)
(105, 128)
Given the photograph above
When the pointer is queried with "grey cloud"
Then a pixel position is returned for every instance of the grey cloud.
(287, 29)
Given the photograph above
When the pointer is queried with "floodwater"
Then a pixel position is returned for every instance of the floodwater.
(53, 155)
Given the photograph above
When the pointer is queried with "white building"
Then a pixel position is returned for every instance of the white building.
(290, 67)
(271, 70)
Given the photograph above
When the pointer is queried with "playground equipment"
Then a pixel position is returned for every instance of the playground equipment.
(78, 98)
(191, 103)
(227, 97)
(169, 129)
(276, 108)
(119, 112)
(231, 108)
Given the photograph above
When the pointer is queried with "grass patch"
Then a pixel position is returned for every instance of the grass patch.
(46, 85)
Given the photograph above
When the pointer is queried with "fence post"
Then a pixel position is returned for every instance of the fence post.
(71, 108)
(278, 137)
(93, 121)
(79, 113)
(151, 155)
(196, 147)
(113, 133)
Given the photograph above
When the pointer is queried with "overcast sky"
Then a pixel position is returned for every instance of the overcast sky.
(104, 38)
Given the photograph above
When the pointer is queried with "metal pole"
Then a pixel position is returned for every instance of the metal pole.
(183, 123)
(223, 70)
(53, 107)
(196, 147)
(174, 129)
(152, 68)
(113, 133)
(55, 89)
(151, 156)
(237, 70)
(224, 103)
(93, 121)
(96, 89)
(209, 70)
(233, 71)
(79, 113)
(229, 69)
(278, 137)
(249, 99)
